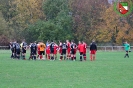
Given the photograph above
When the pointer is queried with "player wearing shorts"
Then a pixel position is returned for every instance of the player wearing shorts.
(79, 44)
(33, 51)
(47, 44)
(81, 50)
(93, 49)
(21, 44)
(60, 49)
(73, 51)
(68, 49)
(55, 51)
(30, 51)
(84, 53)
(52, 44)
(38, 50)
(24, 47)
(64, 49)
(48, 52)
(11, 48)
(127, 49)
(17, 49)
(14, 49)
(42, 50)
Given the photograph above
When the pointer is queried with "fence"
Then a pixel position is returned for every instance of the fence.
(101, 48)
(4, 47)
(111, 48)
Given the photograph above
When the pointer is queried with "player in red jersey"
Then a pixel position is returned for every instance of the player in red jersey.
(81, 50)
(55, 51)
(48, 52)
(68, 49)
(79, 45)
(60, 50)
(85, 48)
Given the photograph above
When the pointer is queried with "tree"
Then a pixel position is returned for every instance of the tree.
(4, 34)
(86, 16)
(58, 20)
(114, 28)
(20, 13)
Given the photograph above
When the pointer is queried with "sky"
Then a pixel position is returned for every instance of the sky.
(110, 1)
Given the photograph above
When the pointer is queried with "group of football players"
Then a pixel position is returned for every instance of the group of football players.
(67, 50)
(18, 50)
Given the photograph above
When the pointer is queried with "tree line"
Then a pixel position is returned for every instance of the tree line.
(36, 20)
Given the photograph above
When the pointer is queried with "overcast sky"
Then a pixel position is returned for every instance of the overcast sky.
(110, 1)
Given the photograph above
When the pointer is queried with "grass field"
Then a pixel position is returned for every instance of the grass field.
(110, 70)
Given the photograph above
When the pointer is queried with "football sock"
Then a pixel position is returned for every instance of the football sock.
(67, 56)
(64, 57)
(91, 57)
(12, 55)
(84, 56)
(71, 58)
(18, 56)
(40, 56)
(74, 57)
(15, 55)
(80, 57)
(37, 56)
(48, 56)
(23, 57)
(94, 57)
(34, 57)
(127, 55)
(52, 57)
(61, 57)
(55, 57)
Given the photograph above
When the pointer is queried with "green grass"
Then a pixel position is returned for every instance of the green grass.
(110, 70)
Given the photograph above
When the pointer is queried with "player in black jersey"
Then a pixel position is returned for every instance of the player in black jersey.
(24, 47)
(33, 50)
(17, 49)
(73, 51)
(64, 48)
(14, 49)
